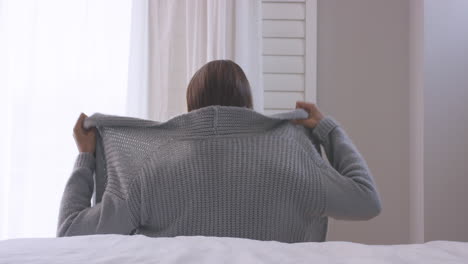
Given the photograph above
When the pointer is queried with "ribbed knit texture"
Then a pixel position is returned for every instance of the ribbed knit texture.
(85, 160)
(217, 171)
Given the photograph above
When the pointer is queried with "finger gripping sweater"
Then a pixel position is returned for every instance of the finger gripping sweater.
(217, 171)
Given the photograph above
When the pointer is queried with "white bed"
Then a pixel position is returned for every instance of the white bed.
(198, 249)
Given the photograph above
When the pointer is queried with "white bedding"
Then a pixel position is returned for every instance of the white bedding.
(198, 249)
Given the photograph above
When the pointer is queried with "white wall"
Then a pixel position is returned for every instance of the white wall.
(363, 81)
(446, 120)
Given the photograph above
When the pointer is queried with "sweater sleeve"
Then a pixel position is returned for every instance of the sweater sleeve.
(77, 217)
(351, 193)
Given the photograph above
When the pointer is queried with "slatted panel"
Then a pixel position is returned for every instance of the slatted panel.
(283, 11)
(283, 82)
(283, 64)
(275, 111)
(282, 100)
(285, 29)
(283, 54)
(277, 46)
(283, 1)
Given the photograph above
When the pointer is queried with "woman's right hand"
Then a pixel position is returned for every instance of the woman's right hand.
(314, 114)
(85, 138)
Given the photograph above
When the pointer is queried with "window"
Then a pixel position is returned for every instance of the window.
(57, 59)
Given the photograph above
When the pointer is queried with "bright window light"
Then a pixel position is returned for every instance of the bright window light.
(57, 58)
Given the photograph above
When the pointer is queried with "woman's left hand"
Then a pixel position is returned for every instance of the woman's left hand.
(315, 116)
(85, 139)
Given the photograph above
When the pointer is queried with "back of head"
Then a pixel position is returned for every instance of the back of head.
(219, 82)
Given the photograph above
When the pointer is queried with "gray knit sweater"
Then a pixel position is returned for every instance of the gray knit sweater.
(217, 171)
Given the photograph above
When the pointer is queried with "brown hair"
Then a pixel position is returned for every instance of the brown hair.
(219, 82)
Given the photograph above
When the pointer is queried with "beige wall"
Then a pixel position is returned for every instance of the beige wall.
(363, 81)
(446, 120)
(416, 146)
(394, 73)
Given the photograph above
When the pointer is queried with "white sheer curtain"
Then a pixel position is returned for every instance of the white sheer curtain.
(171, 39)
(57, 58)
(62, 57)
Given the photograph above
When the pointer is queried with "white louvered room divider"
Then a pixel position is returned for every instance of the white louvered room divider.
(289, 53)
